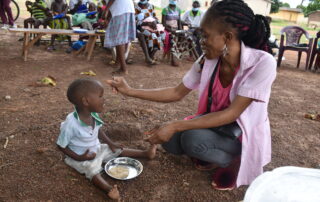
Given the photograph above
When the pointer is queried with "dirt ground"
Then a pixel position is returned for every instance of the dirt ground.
(32, 169)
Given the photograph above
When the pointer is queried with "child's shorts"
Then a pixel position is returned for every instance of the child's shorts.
(93, 167)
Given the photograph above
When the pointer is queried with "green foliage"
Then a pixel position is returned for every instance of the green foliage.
(313, 6)
(303, 8)
(285, 5)
(277, 4)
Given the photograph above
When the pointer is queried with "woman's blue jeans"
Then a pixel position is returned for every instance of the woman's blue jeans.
(205, 145)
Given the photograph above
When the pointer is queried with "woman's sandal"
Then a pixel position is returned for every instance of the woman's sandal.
(224, 179)
(202, 165)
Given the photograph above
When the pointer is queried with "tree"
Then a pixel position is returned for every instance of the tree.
(277, 4)
(312, 6)
(285, 5)
(303, 8)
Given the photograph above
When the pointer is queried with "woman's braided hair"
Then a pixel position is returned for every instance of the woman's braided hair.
(253, 30)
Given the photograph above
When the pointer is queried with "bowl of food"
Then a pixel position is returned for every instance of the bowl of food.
(123, 168)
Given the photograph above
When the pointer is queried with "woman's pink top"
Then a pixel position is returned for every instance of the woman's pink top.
(254, 80)
(220, 95)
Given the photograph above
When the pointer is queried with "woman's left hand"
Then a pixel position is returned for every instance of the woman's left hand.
(161, 134)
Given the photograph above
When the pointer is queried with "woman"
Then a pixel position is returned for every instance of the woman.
(171, 16)
(234, 43)
(60, 21)
(121, 29)
(6, 13)
(150, 34)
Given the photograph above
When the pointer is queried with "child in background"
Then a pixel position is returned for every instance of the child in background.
(39, 14)
(81, 131)
(60, 21)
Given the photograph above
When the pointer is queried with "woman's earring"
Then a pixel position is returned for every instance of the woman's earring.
(225, 50)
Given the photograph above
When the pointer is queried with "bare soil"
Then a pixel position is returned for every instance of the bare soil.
(32, 169)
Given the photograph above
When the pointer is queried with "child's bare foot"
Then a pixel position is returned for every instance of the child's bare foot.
(114, 193)
(151, 152)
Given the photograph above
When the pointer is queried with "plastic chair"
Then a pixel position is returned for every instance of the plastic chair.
(315, 52)
(293, 35)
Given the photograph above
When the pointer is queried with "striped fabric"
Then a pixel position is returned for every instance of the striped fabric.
(121, 30)
(37, 13)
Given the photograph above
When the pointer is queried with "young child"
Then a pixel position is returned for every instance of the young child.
(60, 21)
(81, 131)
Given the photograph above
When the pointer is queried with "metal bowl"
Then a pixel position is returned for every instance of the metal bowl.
(134, 166)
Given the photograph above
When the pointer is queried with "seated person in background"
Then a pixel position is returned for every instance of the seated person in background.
(104, 17)
(102, 21)
(178, 42)
(78, 6)
(86, 20)
(192, 19)
(81, 133)
(149, 32)
(60, 21)
(171, 20)
(39, 14)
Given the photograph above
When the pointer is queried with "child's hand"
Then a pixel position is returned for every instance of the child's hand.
(88, 155)
(161, 134)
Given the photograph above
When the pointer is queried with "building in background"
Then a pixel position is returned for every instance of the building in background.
(314, 18)
(261, 7)
(290, 14)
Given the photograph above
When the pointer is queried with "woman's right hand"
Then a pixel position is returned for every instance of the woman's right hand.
(119, 84)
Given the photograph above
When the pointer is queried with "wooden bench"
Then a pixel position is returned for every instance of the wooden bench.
(27, 43)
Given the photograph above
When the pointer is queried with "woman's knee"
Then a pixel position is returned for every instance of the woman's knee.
(192, 142)
(173, 146)
(200, 144)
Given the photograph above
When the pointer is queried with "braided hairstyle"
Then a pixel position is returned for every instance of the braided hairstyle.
(253, 30)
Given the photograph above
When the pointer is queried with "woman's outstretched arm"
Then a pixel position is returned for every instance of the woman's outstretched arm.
(165, 95)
